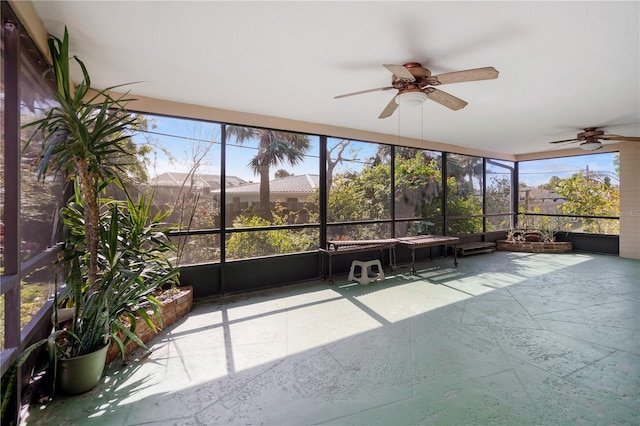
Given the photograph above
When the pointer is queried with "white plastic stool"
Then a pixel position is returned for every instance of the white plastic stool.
(366, 271)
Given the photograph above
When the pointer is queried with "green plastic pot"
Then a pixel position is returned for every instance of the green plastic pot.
(81, 374)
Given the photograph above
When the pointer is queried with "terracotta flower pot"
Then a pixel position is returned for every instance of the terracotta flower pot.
(532, 237)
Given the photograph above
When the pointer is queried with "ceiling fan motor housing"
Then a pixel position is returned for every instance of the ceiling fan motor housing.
(421, 75)
(590, 132)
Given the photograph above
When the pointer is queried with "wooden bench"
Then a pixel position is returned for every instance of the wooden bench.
(476, 248)
(420, 241)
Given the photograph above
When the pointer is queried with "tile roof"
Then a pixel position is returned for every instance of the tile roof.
(201, 180)
(290, 184)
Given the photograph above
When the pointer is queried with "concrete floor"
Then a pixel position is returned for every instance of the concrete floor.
(504, 338)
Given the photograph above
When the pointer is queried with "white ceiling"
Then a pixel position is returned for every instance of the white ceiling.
(563, 65)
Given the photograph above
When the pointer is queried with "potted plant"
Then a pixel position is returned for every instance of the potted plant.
(133, 265)
(113, 256)
(536, 238)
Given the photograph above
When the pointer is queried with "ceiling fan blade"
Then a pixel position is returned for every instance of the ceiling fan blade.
(566, 140)
(443, 98)
(564, 143)
(400, 71)
(486, 73)
(389, 109)
(619, 138)
(379, 89)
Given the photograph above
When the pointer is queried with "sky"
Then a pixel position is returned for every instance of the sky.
(538, 172)
(187, 139)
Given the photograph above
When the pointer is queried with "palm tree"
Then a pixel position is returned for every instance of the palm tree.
(464, 167)
(86, 137)
(113, 258)
(274, 148)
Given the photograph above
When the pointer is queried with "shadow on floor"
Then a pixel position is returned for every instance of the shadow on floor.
(504, 338)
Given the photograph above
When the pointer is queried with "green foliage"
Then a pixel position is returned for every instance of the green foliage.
(343, 202)
(423, 227)
(269, 242)
(417, 191)
(85, 136)
(282, 173)
(589, 196)
(249, 244)
(498, 200)
(515, 235)
(86, 123)
(9, 379)
(365, 195)
(463, 168)
(498, 195)
(462, 204)
(133, 264)
(361, 196)
(544, 227)
(114, 251)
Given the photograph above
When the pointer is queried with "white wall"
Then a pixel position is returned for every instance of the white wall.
(630, 200)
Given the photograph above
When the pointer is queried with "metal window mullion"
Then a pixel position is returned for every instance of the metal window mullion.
(223, 208)
(445, 191)
(484, 196)
(323, 191)
(515, 194)
(393, 190)
(11, 261)
(12, 180)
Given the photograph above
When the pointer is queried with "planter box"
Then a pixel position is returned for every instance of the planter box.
(173, 308)
(535, 247)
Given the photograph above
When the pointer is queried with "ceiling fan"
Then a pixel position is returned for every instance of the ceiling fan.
(414, 84)
(591, 138)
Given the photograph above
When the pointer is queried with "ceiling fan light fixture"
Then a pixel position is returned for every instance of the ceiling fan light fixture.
(591, 144)
(411, 99)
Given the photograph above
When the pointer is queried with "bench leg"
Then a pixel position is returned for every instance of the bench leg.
(455, 255)
(330, 276)
(413, 260)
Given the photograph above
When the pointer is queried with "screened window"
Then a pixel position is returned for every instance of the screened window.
(464, 194)
(277, 186)
(277, 177)
(359, 188)
(39, 198)
(418, 191)
(577, 194)
(179, 162)
(499, 194)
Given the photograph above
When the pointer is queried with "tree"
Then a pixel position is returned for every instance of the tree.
(361, 195)
(464, 168)
(85, 136)
(274, 147)
(243, 245)
(332, 163)
(586, 195)
(190, 206)
(473, 167)
(498, 200)
(113, 250)
(417, 193)
(460, 204)
(282, 173)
